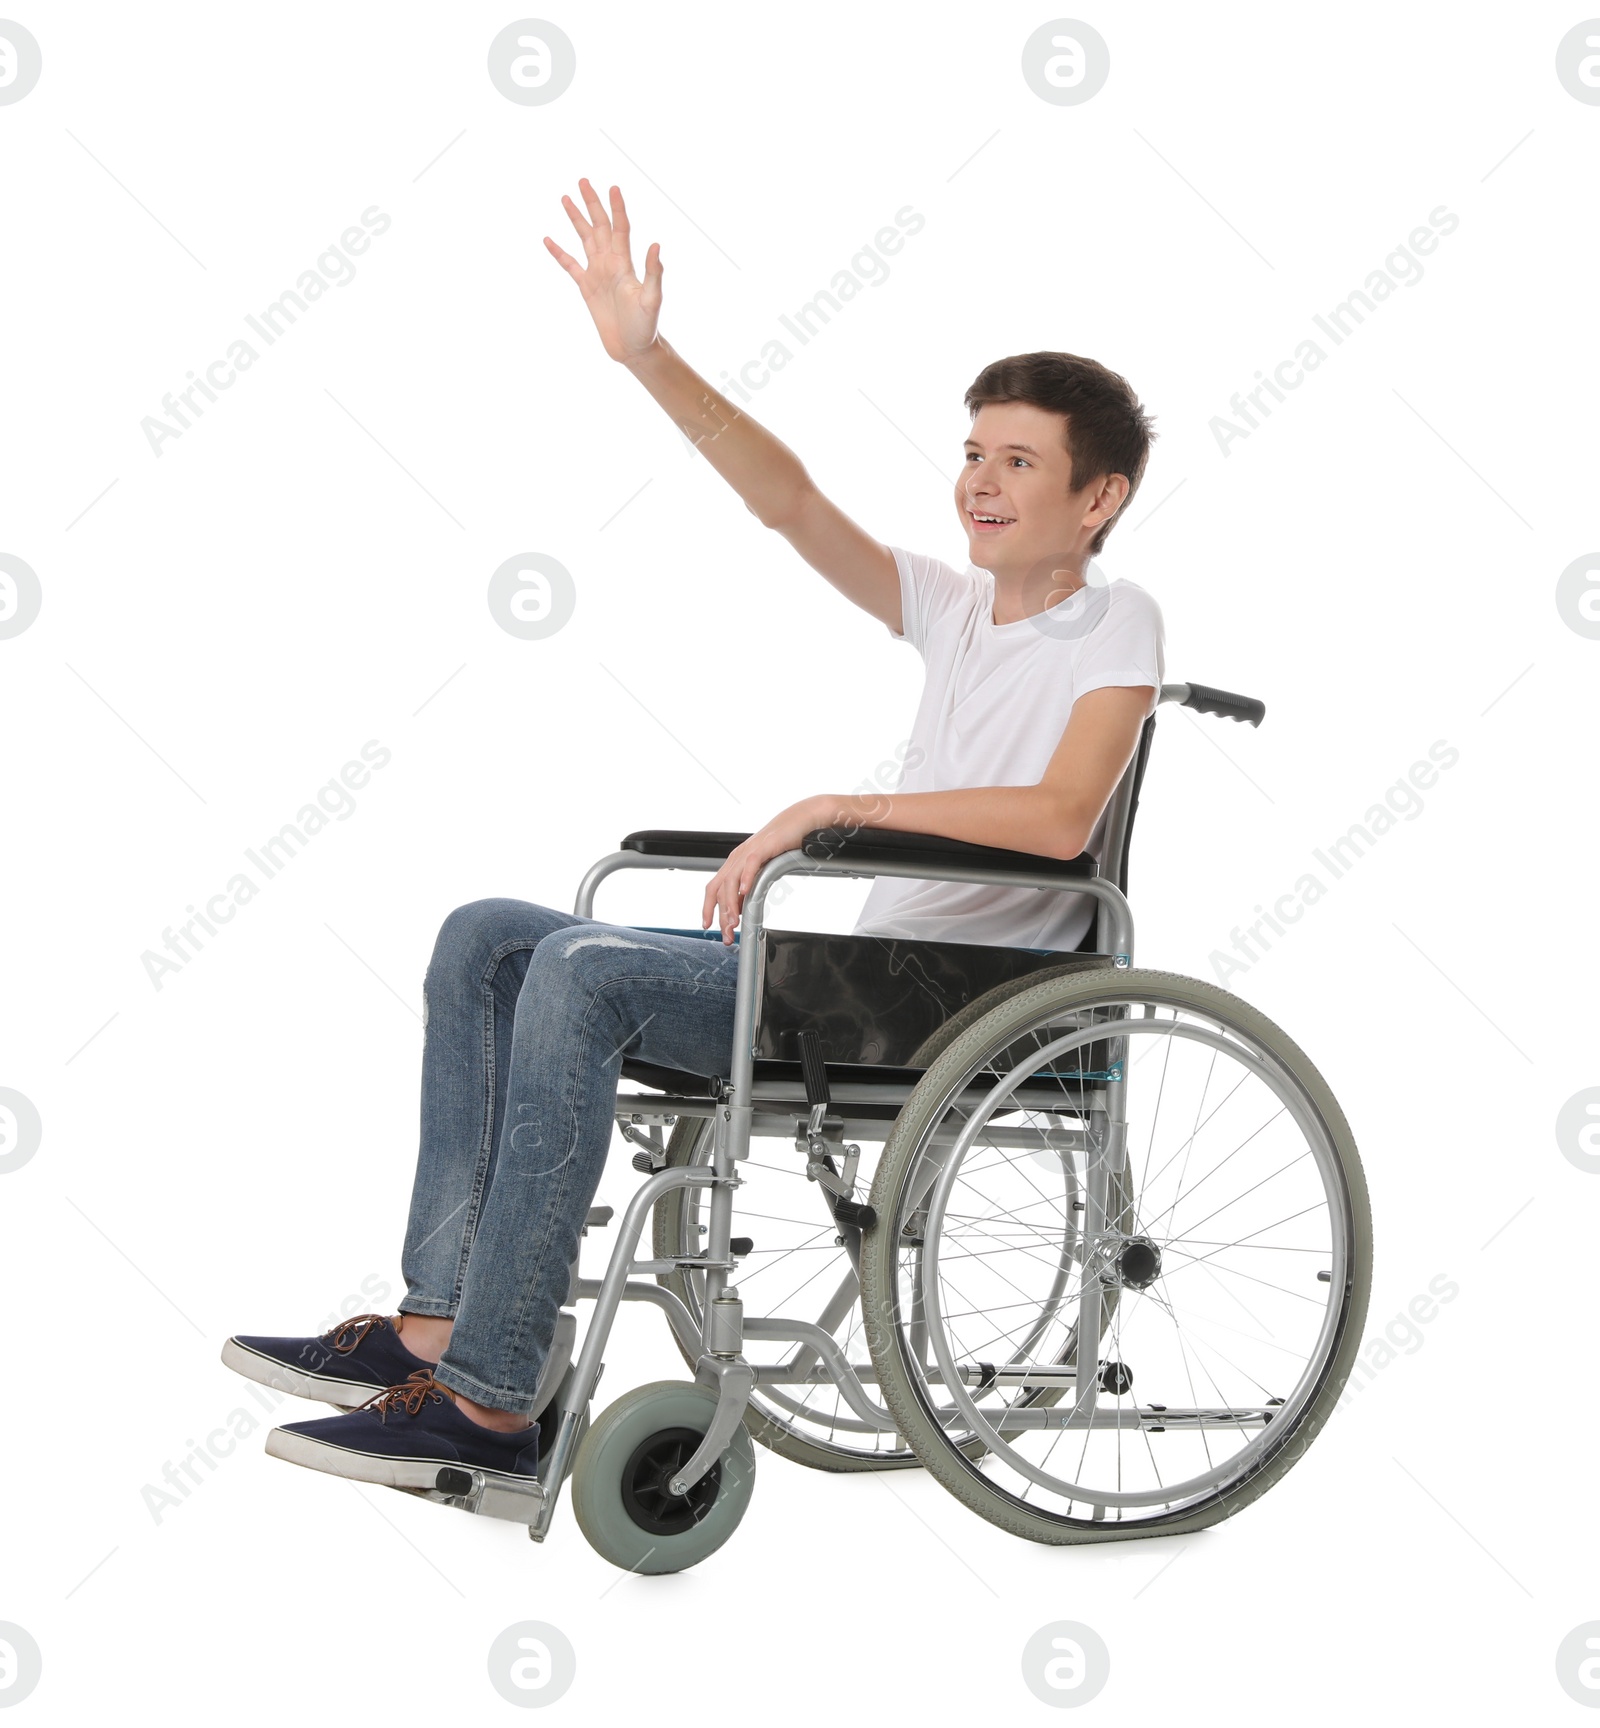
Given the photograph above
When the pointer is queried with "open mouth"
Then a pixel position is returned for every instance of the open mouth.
(983, 523)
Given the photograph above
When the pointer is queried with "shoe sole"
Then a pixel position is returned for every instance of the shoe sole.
(386, 1472)
(268, 1371)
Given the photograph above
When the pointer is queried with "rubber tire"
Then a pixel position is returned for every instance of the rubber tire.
(667, 1226)
(879, 1270)
(606, 1449)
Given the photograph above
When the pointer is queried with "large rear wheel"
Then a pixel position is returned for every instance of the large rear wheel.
(1185, 1159)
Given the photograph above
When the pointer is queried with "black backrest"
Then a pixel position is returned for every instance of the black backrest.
(1140, 757)
(1116, 869)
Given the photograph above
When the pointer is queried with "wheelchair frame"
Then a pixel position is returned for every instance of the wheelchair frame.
(739, 1107)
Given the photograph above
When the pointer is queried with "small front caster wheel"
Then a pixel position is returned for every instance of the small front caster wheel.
(619, 1480)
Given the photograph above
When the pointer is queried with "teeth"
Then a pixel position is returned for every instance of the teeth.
(977, 518)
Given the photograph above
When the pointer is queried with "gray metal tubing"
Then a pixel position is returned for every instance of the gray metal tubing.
(1115, 935)
(584, 907)
(586, 1371)
(1114, 907)
(840, 1372)
(632, 1105)
(1037, 1416)
(1114, 926)
(752, 953)
(636, 1290)
(838, 1305)
(1095, 1191)
(779, 1125)
(726, 1146)
(837, 1367)
(1116, 918)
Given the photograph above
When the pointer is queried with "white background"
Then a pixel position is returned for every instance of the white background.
(306, 569)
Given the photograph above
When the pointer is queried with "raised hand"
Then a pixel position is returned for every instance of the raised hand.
(624, 309)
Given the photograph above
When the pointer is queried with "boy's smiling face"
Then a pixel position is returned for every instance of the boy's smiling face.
(1016, 468)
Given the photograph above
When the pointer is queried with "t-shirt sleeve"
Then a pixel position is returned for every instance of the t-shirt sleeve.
(1128, 646)
(928, 588)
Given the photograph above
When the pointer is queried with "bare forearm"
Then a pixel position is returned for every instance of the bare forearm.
(762, 469)
(1019, 818)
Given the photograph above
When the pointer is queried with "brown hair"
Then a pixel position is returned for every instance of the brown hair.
(1107, 430)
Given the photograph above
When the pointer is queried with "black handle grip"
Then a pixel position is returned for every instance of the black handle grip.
(1224, 702)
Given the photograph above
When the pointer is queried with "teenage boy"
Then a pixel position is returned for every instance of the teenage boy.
(1040, 674)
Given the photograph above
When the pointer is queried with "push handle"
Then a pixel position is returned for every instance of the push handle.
(1210, 701)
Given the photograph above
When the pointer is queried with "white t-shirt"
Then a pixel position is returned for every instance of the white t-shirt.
(994, 704)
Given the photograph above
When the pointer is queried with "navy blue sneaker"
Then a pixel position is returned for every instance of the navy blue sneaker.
(404, 1437)
(343, 1367)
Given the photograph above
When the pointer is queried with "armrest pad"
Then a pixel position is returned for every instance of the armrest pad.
(681, 843)
(866, 846)
(888, 846)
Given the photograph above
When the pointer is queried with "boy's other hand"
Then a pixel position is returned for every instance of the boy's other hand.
(624, 309)
(725, 893)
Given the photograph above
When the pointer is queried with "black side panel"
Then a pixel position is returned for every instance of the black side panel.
(872, 1000)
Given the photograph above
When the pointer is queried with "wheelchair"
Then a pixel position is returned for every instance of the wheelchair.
(1089, 1243)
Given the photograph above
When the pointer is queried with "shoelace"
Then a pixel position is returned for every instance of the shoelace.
(410, 1393)
(348, 1333)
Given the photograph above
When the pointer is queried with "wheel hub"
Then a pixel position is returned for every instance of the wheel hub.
(1138, 1263)
(655, 1461)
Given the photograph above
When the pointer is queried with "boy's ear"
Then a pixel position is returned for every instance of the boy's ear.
(1109, 497)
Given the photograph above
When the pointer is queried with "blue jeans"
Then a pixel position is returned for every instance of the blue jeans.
(529, 1014)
